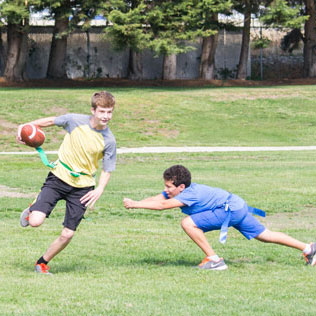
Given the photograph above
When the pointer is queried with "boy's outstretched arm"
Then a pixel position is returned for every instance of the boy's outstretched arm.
(42, 122)
(158, 202)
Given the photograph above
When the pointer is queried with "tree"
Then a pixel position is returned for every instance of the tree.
(310, 40)
(209, 46)
(164, 26)
(244, 51)
(2, 53)
(247, 8)
(135, 64)
(207, 13)
(57, 57)
(292, 15)
(16, 15)
(68, 15)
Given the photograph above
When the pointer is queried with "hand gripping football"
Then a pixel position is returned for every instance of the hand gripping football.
(32, 135)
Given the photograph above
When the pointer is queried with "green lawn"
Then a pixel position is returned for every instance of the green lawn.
(260, 116)
(138, 262)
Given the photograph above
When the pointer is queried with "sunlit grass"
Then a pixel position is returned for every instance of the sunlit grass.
(140, 262)
(261, 116)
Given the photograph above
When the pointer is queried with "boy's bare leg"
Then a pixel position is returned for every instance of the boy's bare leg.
(197, 235)
(281, 239)
(59, 244)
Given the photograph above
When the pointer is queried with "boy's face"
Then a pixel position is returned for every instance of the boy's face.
(172, 190)
(102, 116)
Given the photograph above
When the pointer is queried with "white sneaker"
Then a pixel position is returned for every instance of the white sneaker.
(209, 264)
(311, 258)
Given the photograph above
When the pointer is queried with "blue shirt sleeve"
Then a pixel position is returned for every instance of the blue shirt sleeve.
(186, 197)
(165, 194)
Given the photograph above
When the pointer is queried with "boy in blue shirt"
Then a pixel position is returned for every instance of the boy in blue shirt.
(214, 209)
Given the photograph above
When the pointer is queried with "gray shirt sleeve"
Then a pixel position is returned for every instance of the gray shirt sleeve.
(109, 153)
(71, 120)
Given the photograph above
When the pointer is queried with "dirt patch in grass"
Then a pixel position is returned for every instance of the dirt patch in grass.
(297, 220)
(173, 133)
(56, 111)
(14, 193)
(7, 128)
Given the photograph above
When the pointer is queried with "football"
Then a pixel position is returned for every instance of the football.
(32, 135)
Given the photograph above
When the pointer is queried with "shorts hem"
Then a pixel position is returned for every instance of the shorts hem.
(252, 237)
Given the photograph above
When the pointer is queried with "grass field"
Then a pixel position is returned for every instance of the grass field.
(267, 116)
(140, 262)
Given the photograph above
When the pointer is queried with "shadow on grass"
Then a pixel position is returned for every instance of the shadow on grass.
(258, 262)
(164, 262)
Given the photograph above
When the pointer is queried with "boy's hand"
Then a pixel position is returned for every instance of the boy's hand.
(18, 136)
(91, 197)
(128, 203)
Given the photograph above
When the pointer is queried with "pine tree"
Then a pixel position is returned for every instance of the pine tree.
(166, 27)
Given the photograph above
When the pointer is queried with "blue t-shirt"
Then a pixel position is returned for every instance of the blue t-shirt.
(199, 198)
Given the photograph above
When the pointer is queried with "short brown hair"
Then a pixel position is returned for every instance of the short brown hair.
(178, 175)
(103, 99)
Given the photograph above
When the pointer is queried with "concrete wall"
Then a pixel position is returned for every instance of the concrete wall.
(104, 61)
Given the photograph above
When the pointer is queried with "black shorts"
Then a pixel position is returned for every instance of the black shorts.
(54, 190)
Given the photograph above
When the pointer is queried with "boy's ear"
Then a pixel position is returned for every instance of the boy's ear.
(182, 187)
(92, 110)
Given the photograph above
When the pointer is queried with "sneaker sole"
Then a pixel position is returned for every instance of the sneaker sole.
(39, 271)
(42, 273)
(23, 221)
(220, 268)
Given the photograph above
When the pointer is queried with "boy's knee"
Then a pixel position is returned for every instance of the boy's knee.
(35, 222)
(36, 218)
(67, 234)
(187, 223)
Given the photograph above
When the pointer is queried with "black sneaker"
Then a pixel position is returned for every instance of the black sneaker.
(311, 258)
(208, 264)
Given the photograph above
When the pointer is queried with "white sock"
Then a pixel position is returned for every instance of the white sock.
(307, 250)
(213, 258)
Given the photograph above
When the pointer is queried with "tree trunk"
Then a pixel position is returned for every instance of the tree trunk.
(16, 54)
(207, 66)
(169, 67)
(57, 56)
(310, 40)
(2, 54)
(135, 65)
(244, 52)
(209, 45)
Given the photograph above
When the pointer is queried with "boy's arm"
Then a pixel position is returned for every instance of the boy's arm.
(91, 197)
(158, 197)
(42, 122)
(158, 202)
